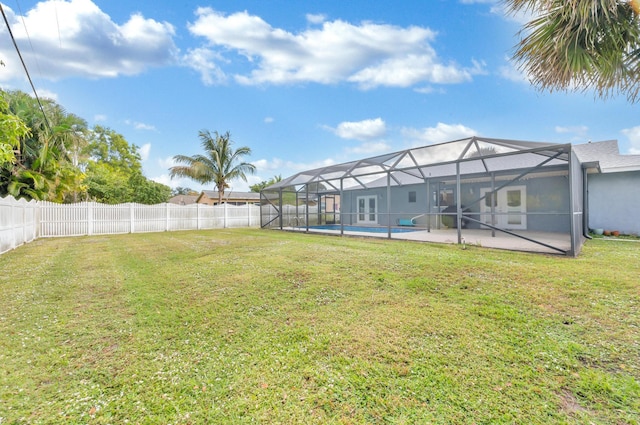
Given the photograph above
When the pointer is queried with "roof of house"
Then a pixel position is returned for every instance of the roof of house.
(183, 199)
(607, 154)
(232, 196)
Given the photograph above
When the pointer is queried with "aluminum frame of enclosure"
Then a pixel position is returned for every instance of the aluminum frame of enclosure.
(468, 182)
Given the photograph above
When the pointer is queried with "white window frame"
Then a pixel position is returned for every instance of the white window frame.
(367, 216)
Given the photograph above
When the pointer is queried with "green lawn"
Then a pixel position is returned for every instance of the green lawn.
(255, 326)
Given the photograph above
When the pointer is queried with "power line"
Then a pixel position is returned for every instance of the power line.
(24, 65)
(26, 31)
(55, 6)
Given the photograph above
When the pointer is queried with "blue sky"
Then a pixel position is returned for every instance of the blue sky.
(302, 83)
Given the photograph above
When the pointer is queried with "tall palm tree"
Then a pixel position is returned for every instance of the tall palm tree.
(219, 165)
(581, 45)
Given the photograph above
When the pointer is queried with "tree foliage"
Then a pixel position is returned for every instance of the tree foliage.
(12, 131)
(147, 191)
(40, 168)
(220, 163)
(265, 183)
(56, 157)
(183, 191)
(581, 45)
(114, 171)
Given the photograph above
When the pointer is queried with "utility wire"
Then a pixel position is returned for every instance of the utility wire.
(55, 6)
(26, 31)
(35, 93)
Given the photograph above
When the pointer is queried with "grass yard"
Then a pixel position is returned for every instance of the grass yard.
(255, 326)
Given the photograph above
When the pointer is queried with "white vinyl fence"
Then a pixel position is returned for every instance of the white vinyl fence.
(18, 222)
(22, 221)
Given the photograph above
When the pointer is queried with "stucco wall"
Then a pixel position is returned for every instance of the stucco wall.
(614, 202)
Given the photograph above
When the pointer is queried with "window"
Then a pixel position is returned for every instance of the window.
(412, 196)
(514, 198)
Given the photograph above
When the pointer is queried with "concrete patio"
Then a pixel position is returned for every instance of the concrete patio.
(477, 237)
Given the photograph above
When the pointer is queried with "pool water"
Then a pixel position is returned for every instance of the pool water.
(363, 228)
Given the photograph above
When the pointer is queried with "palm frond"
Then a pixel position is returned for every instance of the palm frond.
(580, 45)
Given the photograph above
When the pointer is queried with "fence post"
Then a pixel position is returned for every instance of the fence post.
(16, 223)
(90, 218)
(249, 213)
(167, 223)
(37, 216)
(224, 220)
(24, 223)
(132, 218)
(13, 225)
(198, 216)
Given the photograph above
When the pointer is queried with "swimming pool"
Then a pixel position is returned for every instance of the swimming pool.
(363, 228)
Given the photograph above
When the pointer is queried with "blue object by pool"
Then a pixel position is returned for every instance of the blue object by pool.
(406, 222)
(362, 229)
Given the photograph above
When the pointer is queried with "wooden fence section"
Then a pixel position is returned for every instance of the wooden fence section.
(18, 222)
(22, 221)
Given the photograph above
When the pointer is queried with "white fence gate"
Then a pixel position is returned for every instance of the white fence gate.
(22, 221)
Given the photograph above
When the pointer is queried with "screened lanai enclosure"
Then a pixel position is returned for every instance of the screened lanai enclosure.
(491, 192)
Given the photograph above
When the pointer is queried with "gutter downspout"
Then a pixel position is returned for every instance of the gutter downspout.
(585, 195)
(585, 204)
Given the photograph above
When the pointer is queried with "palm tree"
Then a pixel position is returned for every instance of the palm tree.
(219, 165)
(581, 45)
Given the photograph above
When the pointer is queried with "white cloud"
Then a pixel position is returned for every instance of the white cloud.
(521, 17)
(140, 125)
(512, 73)
(367, 54)
(633, 134)
(268, 120)
(438, 134)
(166, 163)
(424, 90)
(203, 61)
(99, 118)
(85, 43)
(265, 164)
(409, 70)
(143, 126)
(47, 94)
(499, 7)
(362, 130)
(317, 18)
(286, 168)
(578, 130)
(144, 151)
(369, 149)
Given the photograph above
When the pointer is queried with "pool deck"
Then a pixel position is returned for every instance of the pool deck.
(477, 237)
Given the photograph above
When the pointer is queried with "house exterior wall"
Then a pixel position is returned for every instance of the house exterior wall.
(204, 199)
(548, 202)
(614, 202)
